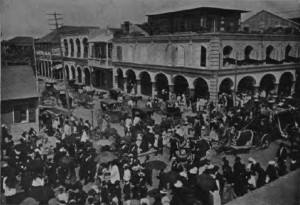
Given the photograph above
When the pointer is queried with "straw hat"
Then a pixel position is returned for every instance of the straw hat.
(178, 184)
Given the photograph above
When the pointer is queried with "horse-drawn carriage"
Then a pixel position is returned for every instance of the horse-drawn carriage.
(260, 131)
(113, 109)
(172, 110)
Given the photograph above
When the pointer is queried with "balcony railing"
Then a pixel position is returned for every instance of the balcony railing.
(97, 62)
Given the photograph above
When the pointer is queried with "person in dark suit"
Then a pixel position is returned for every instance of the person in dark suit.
(281, 153)
(162, 180)
(127, 191)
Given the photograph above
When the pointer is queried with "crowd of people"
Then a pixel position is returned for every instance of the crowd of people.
(122, 177)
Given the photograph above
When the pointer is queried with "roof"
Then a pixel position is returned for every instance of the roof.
(284, 190)
(17, 82)
(100, 35)
(20, 40)
(53, 37)
(195, 7)
(270, 14)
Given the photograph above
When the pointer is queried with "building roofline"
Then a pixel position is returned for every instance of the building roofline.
(245, 22)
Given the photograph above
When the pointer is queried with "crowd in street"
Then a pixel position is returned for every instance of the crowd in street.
(118, 175)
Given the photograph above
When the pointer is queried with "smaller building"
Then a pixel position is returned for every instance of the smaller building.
(18, 51)
(265, 21)
(19, 99)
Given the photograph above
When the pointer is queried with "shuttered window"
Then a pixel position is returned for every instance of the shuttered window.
(21, 113)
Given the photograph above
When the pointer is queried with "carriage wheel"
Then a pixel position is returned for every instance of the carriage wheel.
(265, 141)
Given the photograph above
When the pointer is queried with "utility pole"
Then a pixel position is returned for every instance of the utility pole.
(56, 18)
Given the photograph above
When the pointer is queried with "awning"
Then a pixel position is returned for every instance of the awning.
(58, 66)
(101, 38)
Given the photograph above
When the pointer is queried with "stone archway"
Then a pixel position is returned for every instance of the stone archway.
(162, 83)
(131, 80)
(246, 84)
(146, 84)
(201, 88)
(285, 83)
(120, 79)
(267, 83)
(226, 86)
(181, 85)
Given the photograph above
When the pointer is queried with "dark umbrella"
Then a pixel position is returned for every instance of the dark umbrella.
(172, 176)
(154, 193)
(105, 157)
(66, 161)
(71, 139)
(206, 182)
(156, 164)
(36, 165)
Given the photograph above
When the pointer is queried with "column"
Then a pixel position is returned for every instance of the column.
(82, 49)
(171, 90)
(138, 87)
(293, 88)
(75, 48)
(51, 69)
(125, 84)
(256, 88)
(45, 69)
(154, 91)
(106, 54)
(276, 88)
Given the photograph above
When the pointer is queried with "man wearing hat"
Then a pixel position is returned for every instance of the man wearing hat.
(165, 200)
(271, 172)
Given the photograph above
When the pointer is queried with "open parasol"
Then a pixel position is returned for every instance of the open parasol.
(105, 157)
(172, 176)
(66, 161)
(156, 164)
(206, 183)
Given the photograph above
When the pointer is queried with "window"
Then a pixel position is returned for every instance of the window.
(119, 53)
(203, 56)
(24, 113)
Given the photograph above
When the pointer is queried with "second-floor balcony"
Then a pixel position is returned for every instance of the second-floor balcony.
(99, 62)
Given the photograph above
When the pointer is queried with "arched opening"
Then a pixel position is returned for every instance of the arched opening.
(181, 85)
(288, 50)
(267, 83)
(73, 72)
(270, 52)
(246, 84)
(72, 47)
(201, 88)
(248, 52)
(119, 53)
(85, 47)
(79, 75)
(226, 86)
(285, 83)
(146, 84)
(227, 50)
(162, 86)
(66, 45)
(78, 45)
(67, 72)
(87, 76)
(120, 79)
(203, 56)
(131, 80)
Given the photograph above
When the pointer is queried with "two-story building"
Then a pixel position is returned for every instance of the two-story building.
(202, 53)
(49, 57)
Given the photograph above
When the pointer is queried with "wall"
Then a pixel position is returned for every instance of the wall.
(7, 117)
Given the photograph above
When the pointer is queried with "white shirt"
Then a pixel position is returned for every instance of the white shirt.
(84, 137)
(115, 174)
(38, 182)
(127, 175)
(8, 191)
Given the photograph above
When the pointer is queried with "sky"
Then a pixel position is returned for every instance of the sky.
(29, 17)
